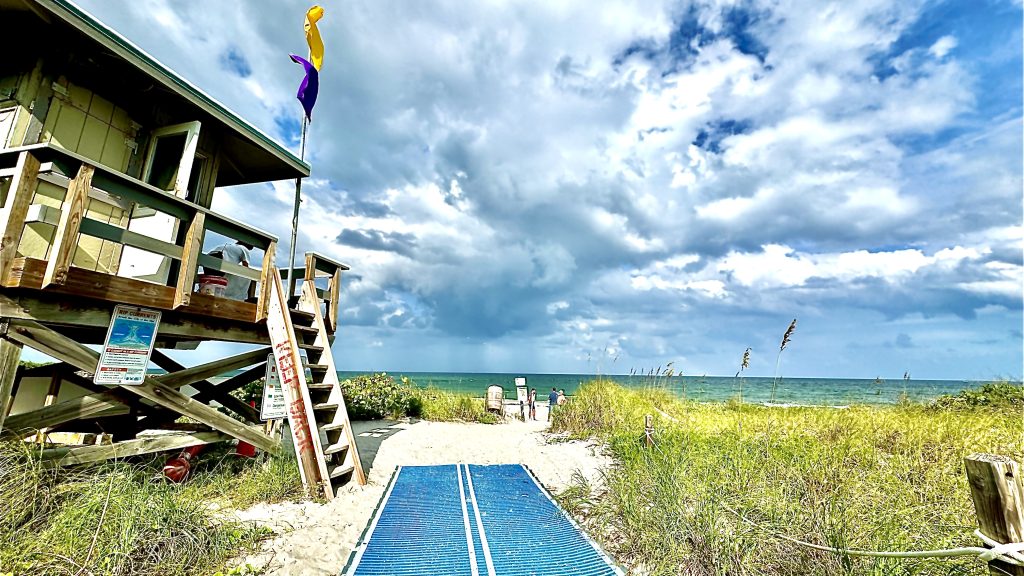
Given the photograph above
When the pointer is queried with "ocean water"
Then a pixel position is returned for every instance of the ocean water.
(815, 391)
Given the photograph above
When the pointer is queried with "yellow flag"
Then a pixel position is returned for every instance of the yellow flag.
(316, 45)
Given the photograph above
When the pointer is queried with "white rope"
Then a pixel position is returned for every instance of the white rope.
(1009, 553)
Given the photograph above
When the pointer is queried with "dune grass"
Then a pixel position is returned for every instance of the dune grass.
(724, 479)
(443, 406)
(122, 518)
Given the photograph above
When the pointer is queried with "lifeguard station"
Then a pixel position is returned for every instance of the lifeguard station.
(109, 162)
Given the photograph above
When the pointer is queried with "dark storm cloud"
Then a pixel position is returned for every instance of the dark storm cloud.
(403, 244)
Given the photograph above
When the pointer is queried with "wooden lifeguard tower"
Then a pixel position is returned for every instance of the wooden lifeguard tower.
(108, 166)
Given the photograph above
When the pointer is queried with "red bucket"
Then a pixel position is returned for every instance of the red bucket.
(212, 285)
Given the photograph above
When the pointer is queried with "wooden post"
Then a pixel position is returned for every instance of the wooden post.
(10, 353)
(51, 398)
(334, 293)
(65, 237)
(266, 285)
(997, 489)
(15, 210)
(189, 258)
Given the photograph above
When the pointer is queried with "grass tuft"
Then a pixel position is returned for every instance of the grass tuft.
(122, 518)
(879, 478)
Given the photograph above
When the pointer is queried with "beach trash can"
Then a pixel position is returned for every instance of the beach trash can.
(495, 398)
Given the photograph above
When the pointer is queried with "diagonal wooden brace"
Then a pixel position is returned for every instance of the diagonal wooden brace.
(153, 389)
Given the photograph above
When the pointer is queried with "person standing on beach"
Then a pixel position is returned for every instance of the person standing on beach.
(552, 402)
(561, 396)
(533, 404)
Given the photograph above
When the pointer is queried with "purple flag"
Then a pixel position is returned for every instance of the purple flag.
(309, 87)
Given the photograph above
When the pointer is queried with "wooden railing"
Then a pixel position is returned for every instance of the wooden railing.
(85, 179)
(320, 266)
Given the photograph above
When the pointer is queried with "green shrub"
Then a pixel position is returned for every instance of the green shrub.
(998, 395)
(375, 396)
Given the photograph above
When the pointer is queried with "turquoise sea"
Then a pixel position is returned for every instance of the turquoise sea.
(816, 391)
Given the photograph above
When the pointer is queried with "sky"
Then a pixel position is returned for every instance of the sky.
(598, 187)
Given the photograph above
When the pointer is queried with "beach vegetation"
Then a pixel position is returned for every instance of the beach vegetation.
(1003, 395)
(122, 517)
(778, 359)
(376, 396)
(725, 484)
(444, 406)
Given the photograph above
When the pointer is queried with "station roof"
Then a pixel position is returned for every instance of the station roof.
(252, 155)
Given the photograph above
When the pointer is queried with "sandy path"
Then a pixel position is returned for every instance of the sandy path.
(317, 539)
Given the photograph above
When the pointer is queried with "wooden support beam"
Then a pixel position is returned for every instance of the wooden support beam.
(193, 246)
(263, 303)
(205, 395)
(997, 489)
(51, 397)
(234, 383)
(65, 238)
(310, 273)
(10, 353)
(57, 309)
(108, 403)
(15, 210)
(228, 401)
(203, 371)
(153, 389)
(333, 298)
(68, 456)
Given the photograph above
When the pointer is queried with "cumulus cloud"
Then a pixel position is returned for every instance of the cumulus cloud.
(524, 187)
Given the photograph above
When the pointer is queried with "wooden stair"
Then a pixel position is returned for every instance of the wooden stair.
(324, 444)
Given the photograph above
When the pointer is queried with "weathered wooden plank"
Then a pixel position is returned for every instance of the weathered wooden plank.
(203, 371)
(235, 382)
(309, 274)
(57, 346)
(82, 283)
(325, 264)
(107, 403)
(51, 308)
(10, 353)
(65, 238)
(205, 395)
(997, 490)
(51, 397)
(263, 303)
(15, 210)
(228, 401)
(333, 299)
(301, 419)
(105, 231)
(189, 259)
(83, 454)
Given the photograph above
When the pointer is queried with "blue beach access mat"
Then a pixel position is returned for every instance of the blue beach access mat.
(466, 519)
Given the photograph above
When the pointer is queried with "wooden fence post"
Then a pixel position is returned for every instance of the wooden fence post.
(997, 489)
(649, 430)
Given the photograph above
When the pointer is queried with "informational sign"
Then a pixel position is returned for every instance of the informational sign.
(274, 405)
(129, 344)
(520, 381)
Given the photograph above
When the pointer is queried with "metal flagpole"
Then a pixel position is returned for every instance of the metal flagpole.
(295, 212)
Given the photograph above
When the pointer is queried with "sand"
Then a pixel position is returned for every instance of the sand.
(317, 538)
